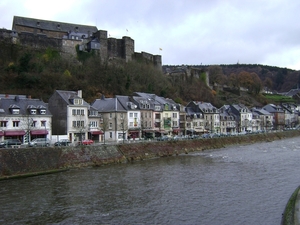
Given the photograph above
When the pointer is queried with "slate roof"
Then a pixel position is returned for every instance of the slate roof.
(108, 105)
(138, 101)
(53, 25)
(157, 100)
(23, 104)
(273, 108)
(126, 103)
(206, 105)
(67, 96)
(260, 111)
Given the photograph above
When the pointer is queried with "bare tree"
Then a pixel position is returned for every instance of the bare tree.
(104, 123)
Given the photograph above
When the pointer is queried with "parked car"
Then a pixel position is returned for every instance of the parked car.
(39, 142)
(62, 142)
(9, 143)
(87, 142)
(163, 138)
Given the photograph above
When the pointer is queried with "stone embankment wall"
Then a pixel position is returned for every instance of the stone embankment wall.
(33, 161)
(291, 214)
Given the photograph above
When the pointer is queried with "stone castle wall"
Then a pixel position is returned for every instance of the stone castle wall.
(110, 48)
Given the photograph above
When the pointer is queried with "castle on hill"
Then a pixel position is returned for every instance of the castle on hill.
(65, 37)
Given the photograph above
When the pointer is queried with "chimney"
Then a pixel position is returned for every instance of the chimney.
(79, 93)
(6, 95)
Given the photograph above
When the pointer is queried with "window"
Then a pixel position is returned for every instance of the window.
(130, 115)
(16, 111)
(110, 134)
(78, 111)
(33, 111)
(122, 116)
(150, 124)
(82, 123)
(74, 123)
(110, 115)
(78, 101)
(110, 125)
(131, 124)
(78, 123)
(16, 123)
(33, 124)
(3, 123)
(174, 115)
(175, 123)
(43, 111)
(93, 113)
(94, 124)
(43, 123)
(82, 112)
(135, 115)
(73, 112)
(157, 107)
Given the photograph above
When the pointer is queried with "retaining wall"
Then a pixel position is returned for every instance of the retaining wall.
(24, 161)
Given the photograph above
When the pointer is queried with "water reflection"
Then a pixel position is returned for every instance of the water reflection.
(237, 185)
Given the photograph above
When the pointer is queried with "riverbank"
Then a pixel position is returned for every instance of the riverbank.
(291, 214)
(32, 161)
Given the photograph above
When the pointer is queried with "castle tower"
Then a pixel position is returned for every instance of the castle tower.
(157, 61)
(102, 37)
(128, 48)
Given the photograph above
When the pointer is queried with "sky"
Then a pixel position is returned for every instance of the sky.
(184, 32)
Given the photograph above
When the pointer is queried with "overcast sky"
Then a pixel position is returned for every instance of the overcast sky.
(190, 32)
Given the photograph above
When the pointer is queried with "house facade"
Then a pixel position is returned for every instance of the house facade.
(114, 120)
(24, 118)
(70, 115)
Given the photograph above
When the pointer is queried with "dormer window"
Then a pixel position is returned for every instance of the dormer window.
(43, 111)
(15, 111)
(32, 111)
(78, 101)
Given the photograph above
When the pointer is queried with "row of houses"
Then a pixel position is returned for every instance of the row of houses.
(142, 115)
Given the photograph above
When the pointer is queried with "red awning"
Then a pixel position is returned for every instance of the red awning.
(38, 132)
(176, 129)
(97, 132)
(14, 133)
(1, 133)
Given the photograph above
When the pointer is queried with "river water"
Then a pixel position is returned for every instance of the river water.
(245, 184)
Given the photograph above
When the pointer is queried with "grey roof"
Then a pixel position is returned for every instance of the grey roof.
(190, 112)
(260, 111)
(126, 103)
(139, 101)
(206, 105)
(53, 25)
(292, 92)
(67, 96)
(108, 105)
(273, 108)
(6, 104)
(157, 100)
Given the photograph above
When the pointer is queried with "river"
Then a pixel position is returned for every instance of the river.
(245, 184)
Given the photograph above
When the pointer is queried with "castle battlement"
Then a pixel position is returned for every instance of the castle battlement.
(64, 37)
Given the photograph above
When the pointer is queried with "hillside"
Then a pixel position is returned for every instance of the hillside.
(39, 72)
